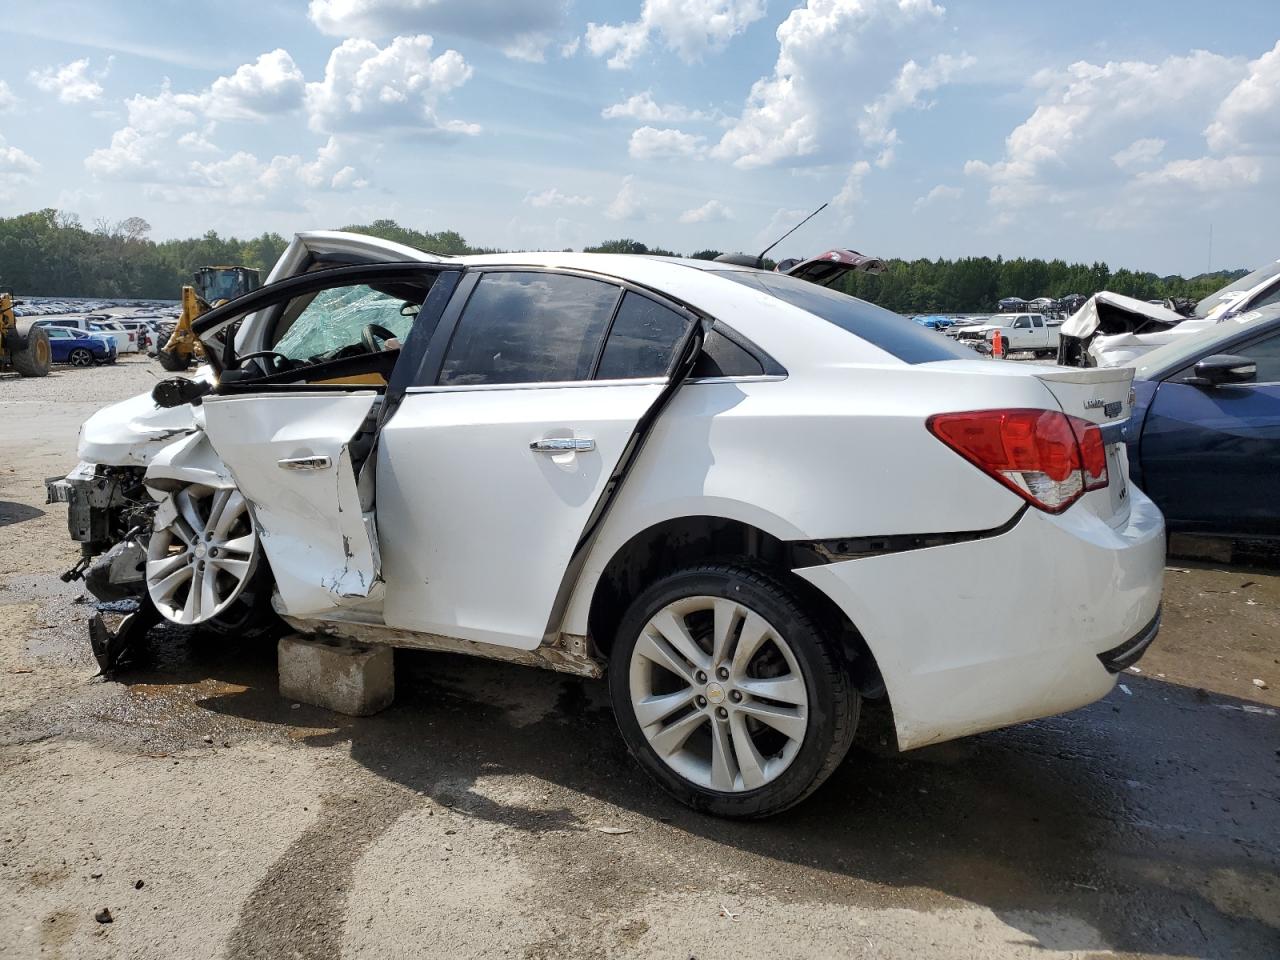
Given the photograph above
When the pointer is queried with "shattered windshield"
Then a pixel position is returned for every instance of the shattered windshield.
(335, 319)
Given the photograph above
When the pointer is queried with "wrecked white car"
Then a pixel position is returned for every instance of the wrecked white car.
(1112, 330)
(717, 483)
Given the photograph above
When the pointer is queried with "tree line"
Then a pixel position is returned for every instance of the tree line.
(51, 253)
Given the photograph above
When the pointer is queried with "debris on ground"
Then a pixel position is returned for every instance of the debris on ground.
(104, 916)
(614, 831)
(1260, 684)
(729, 914)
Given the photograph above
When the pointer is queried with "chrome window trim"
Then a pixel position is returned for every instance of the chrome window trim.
(580, 384)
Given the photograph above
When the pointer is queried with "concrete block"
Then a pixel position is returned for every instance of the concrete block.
(353, 678)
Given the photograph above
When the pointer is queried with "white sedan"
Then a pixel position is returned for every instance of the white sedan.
(739, 495)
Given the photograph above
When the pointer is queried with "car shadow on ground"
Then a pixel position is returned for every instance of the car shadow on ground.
(12, 512)
(1149, 816)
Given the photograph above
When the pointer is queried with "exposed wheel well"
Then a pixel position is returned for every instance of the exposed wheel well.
(687, 541)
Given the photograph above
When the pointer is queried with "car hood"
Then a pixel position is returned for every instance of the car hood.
(130, 433)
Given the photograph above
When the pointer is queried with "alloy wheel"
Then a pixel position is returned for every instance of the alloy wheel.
(80, 357)
(199, 563)
(718, 693)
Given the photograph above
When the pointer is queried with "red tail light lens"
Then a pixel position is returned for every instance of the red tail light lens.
(1045, 456)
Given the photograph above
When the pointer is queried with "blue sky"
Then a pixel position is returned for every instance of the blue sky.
(1092, 130)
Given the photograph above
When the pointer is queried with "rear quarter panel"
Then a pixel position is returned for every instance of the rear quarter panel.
(840, 452)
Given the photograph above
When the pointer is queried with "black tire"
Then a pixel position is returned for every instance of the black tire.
(35, 359)
(80, 357)
(172, 362)
(833, 702)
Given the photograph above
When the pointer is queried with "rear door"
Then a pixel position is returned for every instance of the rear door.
(1211, 455)
(495, 468)
(298, 439)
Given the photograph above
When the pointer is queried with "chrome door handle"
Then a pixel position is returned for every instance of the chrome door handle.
(305, 463)
(563, 445)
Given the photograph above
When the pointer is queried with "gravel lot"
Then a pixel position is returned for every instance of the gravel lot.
(214, 819)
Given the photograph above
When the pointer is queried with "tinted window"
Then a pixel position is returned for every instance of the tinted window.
(721, 357)
(893, 334)
(529, 328)
(642, 340)
(1266, 354)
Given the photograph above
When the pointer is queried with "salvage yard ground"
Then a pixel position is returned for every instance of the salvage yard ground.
(494, 811)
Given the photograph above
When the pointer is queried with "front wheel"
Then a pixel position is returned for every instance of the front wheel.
(728, 693)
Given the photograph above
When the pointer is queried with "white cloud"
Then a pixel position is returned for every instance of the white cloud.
(521, 29)
(367, 88)
(552, 197)
(8, 99)
(1073, 145)
(940, 192)
(912, 80)
(1249, 117)
(688, 27)
(713, 211)
(197, 142)
(651, 143)
(16, 163)
(1140, 153)
(641, 106)
(851, 192)
(16, 169)
(272, 84)
(1205, 174)
(629, 204)
(830, 52)
(71, 81)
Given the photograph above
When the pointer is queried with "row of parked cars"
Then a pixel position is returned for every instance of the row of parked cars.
(88, 340)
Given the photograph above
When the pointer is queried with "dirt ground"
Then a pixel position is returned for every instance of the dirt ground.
(214, 819)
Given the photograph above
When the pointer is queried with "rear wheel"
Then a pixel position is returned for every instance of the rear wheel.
(728, 693)
(36, 357)
(80, 357)
(174, 361)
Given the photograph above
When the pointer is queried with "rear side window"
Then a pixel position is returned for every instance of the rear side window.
(898, 336)
(642, 340)
(529, 328)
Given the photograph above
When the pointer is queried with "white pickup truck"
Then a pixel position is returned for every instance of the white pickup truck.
(1021, 332)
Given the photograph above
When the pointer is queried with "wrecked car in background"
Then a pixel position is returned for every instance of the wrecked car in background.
(1111, 330)
(718, 482)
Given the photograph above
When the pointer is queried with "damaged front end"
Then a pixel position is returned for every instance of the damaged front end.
(161, 528)
(1108, 321)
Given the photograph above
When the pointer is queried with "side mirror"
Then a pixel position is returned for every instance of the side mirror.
(177, 391)
(1223, 368)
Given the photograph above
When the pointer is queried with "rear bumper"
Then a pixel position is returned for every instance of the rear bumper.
(1030, 623)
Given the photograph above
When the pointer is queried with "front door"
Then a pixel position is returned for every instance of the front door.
(1211, 455)
(490, 472)
(295, 426)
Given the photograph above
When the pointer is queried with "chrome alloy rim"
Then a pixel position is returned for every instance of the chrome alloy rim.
(198, 564)
(719, 694)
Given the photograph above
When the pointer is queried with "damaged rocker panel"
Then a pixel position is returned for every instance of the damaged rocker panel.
(567, 653)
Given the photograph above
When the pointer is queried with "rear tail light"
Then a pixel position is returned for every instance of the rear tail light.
(1044, 456)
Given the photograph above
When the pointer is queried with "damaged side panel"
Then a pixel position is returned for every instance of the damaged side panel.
(295, 457)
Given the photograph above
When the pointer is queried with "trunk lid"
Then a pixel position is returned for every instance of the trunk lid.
(1101, 395)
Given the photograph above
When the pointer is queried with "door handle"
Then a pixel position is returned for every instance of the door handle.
(305, 463)
(563, 445)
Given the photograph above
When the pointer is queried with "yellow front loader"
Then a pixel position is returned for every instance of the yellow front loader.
(24, 347)
(212, 287)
